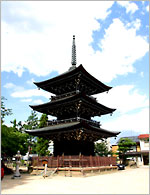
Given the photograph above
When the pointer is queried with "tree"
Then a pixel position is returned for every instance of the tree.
(18, 126)
(12, 141)
(101, 149)
(43, 121)
(4, 111)
(42, 144)
(32, 121)
(124, 145)
(14, 122)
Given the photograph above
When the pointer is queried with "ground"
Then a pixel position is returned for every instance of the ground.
(129, 181)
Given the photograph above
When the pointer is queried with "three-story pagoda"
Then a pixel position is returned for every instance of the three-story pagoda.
(74, 131)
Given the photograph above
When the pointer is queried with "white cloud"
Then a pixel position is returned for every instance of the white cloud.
(26, 100)
(30, 82)
(13, 87)
(42, 51)
(120, 50)
(9, 85)
(20, 92)
(44, 42)
(142, 74)
(49, 49)
(124, 98)
(38, 102)
(130, 7)
(30, 93)
(138, 122)
(135, 24)
(147, 8)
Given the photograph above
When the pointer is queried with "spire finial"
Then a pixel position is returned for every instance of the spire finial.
(73, 62)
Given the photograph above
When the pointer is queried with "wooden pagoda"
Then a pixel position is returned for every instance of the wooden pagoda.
(74, 132)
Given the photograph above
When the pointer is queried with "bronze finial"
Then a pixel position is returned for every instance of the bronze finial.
(73, 62)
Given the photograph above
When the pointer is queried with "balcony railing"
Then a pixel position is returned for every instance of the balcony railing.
(77, 119)
(57, 97)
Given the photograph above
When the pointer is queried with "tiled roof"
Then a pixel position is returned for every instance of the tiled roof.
(142, 136)
(60, 128)
(133, 138)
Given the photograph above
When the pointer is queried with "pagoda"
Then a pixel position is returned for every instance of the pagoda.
(73, 132)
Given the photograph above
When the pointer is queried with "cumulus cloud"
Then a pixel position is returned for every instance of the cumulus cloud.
(9, 85)
(138, 122)
(13, 87)
(26, 100)
(124, 98)
(30, 82)
(142, 74)
(147, 8)
(130, 7)
(120, 50)
(26, 94)
(41, 52)
(30, 93)
(38, 102)
(136, 24)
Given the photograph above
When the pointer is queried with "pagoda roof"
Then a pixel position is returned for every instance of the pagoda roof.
(63, 128)
(68, 104)
(66, 82)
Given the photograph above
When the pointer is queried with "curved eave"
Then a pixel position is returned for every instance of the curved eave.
(63, 128)
(77, 97)
(80, 69)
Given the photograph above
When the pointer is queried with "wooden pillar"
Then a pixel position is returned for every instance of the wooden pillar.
(91, 161)
(57, 161)
(70, 166)
(63, 160)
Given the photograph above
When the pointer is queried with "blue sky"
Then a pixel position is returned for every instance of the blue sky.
(112, 41)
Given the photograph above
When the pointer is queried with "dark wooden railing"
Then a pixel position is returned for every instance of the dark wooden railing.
(74, 161)
(56, 122)
(57, 97)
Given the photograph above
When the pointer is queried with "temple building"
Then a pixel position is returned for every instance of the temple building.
(73, 132)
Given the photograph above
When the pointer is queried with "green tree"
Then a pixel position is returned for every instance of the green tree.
(4, 111)
(14, 122)
(31, 123)
(124, 145)
(12, 141)
(42, 146)
(43, 121)
(42, 143)
(18, 126)
(101, 149)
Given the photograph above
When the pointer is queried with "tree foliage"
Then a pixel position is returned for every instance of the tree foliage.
(14, 138)
(101, 149)
(42, 146)
(43, 121)
(42, 143)
(4, 111)
(124, 145)
(12, 141)
(32, 121)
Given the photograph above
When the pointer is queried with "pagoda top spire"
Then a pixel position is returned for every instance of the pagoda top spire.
(73, 61)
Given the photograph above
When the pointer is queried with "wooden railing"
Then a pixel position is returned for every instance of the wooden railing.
(56, 122)
(57, 97)
(74, 161)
